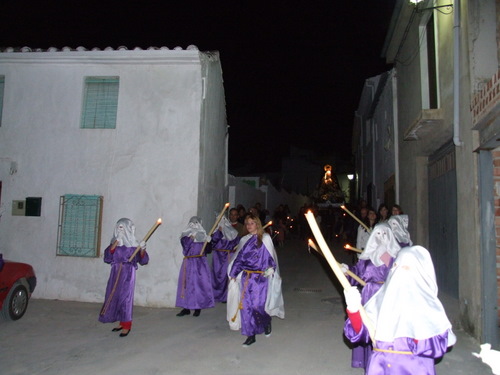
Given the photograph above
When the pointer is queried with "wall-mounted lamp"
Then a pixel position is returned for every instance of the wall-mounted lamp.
(418, 9)
(350, 177)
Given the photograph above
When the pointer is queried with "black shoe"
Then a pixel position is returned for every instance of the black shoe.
(116, 329)
(123, 334)
(184, 312)
(197, 312)
(267, 330)
(249, 341)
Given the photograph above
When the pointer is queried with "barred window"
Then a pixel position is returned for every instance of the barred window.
(79, 231)
(100, 103)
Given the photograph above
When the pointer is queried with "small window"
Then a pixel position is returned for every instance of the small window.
(100, 103)
(2, 85)
(79, 232)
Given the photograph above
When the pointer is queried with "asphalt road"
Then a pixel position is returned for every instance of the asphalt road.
(62, 337)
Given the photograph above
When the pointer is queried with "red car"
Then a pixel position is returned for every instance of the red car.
(17, 282)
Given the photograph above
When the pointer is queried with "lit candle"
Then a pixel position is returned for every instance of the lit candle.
(268, 224)
(217, 221)
(335, 267)
(355, 218)
(350, 273)
(146, 238)
(349, 247)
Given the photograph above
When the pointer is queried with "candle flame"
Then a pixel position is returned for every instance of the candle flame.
(227, 204)
(347, 246)
(159, 220)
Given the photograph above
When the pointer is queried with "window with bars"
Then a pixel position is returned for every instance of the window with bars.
(79, 231)
(100, 103)
(2, 85)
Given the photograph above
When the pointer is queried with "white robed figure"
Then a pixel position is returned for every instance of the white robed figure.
(267, 275)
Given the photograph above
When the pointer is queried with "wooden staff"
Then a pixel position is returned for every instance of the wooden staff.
(355, 218)
(146, 238)
(336, 268)
(217, 221)
(350, 273)
(114, 245)
(352, 248)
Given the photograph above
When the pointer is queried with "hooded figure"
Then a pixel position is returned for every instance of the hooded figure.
(399, 225)
(373, 267)
(409, 319)
(224, 242)
(119, 300)
(194, 287)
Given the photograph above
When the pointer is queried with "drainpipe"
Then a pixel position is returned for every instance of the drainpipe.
(395, 133)
(456, 74)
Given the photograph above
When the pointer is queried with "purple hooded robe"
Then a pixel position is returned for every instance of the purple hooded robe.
(119, 300)
(374, 277)
(220, 261)
(253, 259)
(194, 287)
(412, 357)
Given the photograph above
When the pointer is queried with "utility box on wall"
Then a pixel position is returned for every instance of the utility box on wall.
(18, 208)
(33, 206)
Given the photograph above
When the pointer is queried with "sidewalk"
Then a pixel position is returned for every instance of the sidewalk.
(58, 337)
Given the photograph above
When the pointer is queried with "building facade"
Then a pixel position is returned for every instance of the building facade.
(89, 137)
(444, 108)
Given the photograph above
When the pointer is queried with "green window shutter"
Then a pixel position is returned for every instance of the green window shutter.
(100, 103)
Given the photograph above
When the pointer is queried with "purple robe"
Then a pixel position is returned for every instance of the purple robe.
(253, 260)
(374, 277)
(220, 261)
(194, 288)
(119, 300)
(419, 361)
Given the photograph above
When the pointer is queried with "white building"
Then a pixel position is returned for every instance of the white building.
(156, 148)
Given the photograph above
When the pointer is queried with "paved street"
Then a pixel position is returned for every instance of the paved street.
(59, 337)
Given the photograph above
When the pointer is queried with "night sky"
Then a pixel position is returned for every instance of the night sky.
(293, 71)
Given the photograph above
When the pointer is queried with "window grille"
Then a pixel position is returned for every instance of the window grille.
(79, 231)
(100, 103)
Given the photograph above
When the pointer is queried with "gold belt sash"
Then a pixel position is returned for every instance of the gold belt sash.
(245, 285)
(391, 351)
(184, 272)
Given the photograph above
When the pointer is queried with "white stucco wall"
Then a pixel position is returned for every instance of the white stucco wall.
(145, 168)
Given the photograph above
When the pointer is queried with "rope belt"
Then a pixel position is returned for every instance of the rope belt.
(245, 285)
(391, 351)
(113, 290)
(225, 250)
(184, 271)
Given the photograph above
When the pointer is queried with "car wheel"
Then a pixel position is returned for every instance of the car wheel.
(16, 303)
